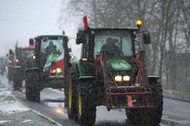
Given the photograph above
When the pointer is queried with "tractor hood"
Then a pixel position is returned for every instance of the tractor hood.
(118, 64)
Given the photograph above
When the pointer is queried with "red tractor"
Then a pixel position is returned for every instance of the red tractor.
(19, 67)
(112, 72)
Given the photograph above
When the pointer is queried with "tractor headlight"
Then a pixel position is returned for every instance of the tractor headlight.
(58, 70)
(126, 78)
(118, 78)
(34, 57)
(53, 71)
(17, 60)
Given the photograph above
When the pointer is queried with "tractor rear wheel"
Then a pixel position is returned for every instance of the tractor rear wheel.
(17, 79)
(86, 109)
(17, 83)
(32, 86)
(71, 99)
(148, 116)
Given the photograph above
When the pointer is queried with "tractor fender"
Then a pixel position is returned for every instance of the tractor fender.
(79, 74)
(34, 69)
(85, 79)
(17, 67)
(17, 70)
(153, 79)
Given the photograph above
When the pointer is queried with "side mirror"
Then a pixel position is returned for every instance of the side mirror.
(69, 50)
(146, 38)
(31, 41)
(81, 37)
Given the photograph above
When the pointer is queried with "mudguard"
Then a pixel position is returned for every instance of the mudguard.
(33, 69)
(78, 70)
(153, 79)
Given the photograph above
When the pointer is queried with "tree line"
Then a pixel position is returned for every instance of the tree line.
(167, 20)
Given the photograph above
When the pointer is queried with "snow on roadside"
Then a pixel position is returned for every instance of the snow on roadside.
(9, 104)
(12, 108)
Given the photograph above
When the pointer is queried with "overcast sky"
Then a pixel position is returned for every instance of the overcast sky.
(22, 19)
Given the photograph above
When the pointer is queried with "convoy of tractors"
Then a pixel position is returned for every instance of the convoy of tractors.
(111, 72)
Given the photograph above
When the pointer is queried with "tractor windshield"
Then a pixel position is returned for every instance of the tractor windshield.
(115, 42)
(51, 49)
(25, 52)
(49, 46)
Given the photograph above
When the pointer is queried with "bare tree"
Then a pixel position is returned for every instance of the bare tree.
(167, 20)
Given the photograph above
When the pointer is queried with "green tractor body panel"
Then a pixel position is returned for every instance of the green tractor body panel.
(118, 64)
(81, 69)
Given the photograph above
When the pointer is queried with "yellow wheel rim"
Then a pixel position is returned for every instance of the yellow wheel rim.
(70, 94)
(79, 103)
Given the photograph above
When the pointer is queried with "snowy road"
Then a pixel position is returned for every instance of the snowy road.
(176, 113)
(15, 113)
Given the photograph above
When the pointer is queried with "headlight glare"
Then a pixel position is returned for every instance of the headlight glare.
(17, 60)
(118, 78)
(34, 57)
(58, 70)
(126, 78)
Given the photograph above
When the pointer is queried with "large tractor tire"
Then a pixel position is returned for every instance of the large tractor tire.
(86, 108)
(32, 86)
(71, 99)
(17, 79)
(10, 73)
(17, 83)
(148, 116)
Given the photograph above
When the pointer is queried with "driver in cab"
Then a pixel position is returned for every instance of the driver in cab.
(51, 48)
(111, 48)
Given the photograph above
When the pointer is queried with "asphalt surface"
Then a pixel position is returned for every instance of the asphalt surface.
(51, 106)
(14, 113)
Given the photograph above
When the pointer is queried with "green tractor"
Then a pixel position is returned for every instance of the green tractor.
(19, 67)
(112, 72)
(48, 67)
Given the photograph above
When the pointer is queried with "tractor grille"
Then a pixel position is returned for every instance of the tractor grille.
(128, 97)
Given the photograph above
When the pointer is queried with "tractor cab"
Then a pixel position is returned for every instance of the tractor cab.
(114, 43)
(113, 51)
(48, 65)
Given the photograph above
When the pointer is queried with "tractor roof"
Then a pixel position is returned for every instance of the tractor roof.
(125, 28)
(27, 48)
(113, 28)
(51, 36)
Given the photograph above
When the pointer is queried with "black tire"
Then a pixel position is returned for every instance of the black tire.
(17, 80)
(71, 99)
(10, 73)
(86, 108)
(32, 86)
(17, 83)
(151, 116)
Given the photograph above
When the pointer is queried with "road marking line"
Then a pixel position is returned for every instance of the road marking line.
(179, 122)
(51, 120)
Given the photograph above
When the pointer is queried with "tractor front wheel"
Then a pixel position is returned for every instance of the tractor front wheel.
(32, 86)
(86, 109)
(71, 99)
(148, 116)
(17, 79)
